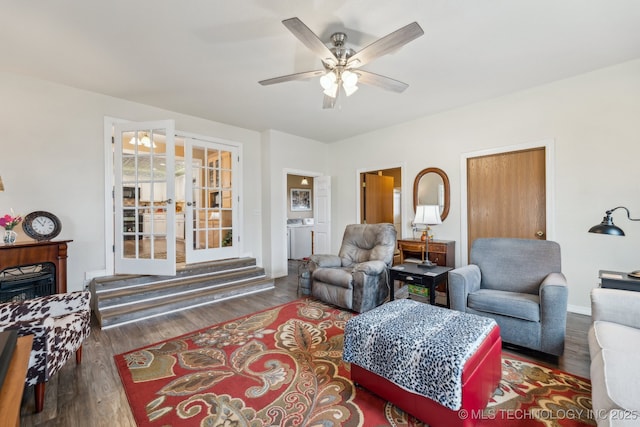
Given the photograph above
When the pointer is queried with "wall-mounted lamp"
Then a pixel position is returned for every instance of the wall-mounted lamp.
(304, 181)
(1, 185)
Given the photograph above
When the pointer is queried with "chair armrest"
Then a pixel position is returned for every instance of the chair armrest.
(463, 281)
(553, 285)
(63, 304)
(554, 294)
(371, 268)
(326, 260)
(47, 306)
(616, 305)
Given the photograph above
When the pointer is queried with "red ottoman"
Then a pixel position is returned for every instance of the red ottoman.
(439, 365)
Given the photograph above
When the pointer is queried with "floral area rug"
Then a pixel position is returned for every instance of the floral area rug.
(283, 367)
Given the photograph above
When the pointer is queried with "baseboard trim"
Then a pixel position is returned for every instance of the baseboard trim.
(578, 309)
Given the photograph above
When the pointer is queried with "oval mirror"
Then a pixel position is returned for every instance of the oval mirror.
(431, 187)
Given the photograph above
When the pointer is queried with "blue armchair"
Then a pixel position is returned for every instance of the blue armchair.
(519, 283)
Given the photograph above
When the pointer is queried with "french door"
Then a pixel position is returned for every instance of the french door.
(144, 194)
(211, 211)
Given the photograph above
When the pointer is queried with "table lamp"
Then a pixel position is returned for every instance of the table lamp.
(427, 215)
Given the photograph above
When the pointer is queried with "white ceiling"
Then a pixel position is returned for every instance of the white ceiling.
(205, 57)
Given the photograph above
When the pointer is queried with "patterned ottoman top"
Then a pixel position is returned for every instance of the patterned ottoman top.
(419, 347)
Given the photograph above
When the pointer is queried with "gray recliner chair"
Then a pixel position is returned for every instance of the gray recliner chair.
(518, 283)
(356, 278)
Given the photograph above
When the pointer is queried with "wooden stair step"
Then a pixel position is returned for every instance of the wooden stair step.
(127, 298)
(128, 280)
(157, 307)
(123, 294)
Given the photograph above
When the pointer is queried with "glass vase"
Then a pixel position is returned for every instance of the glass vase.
(9, 237)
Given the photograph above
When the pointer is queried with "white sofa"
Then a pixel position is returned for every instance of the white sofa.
(614, 345)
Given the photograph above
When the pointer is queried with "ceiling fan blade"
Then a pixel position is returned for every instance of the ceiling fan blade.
(329, 102)
(386, 44)
(292, 77)
(383, 82)
(309, 39)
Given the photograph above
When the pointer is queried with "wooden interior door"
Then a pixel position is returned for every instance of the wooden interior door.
(378, 199)
(506, 195)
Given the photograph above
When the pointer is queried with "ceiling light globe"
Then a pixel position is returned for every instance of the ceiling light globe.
(349, 90)
(328, 80)
(349, 78)
(332, 91)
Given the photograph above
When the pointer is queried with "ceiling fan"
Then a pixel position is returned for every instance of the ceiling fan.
(341, 64)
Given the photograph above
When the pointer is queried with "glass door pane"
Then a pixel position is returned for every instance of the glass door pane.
(144, 164)
(213, 209)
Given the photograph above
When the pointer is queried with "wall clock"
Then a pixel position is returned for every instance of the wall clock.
(41, 225)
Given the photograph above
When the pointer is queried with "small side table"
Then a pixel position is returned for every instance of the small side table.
(425, 277)
(13, 385)
(618, 280)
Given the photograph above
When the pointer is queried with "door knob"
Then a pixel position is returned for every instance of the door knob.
(540, 233)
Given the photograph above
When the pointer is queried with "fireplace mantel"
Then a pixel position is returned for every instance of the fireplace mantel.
(35, 252)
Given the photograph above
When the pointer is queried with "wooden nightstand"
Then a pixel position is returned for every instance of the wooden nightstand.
(441, 252)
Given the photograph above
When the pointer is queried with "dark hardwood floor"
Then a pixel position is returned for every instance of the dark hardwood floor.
(91, 393)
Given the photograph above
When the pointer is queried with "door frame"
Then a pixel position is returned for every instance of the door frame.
(109, 223)
(404, 196)
(284, 207)
(549, 151)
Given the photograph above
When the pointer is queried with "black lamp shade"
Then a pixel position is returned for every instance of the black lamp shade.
(607, 227)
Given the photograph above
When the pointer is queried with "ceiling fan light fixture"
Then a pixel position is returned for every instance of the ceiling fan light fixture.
(349, 79)
(328, 80)
(349, 90)
(332, 91)
(339, 60)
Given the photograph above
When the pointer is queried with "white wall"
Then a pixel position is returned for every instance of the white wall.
(593, 119)
(51, 158)
(283, 152)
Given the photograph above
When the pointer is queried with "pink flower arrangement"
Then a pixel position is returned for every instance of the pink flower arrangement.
(10, 221)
